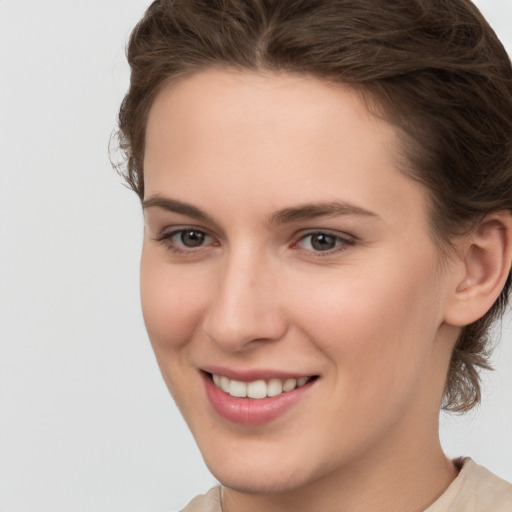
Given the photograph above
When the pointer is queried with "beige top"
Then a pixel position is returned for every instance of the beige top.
(474, 490)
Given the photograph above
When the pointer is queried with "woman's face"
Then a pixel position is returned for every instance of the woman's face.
(286, 257)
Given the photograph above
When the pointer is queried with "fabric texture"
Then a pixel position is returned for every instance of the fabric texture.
(475, 489)
(209, 502)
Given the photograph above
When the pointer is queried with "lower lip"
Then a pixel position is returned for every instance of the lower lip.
(250, 411)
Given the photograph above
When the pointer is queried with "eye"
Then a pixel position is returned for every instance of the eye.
(185, 240)
(324, 242)
(190, 237)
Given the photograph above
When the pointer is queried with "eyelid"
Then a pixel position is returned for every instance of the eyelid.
(166, 237)
(346, 240)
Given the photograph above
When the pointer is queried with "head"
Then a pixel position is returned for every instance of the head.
(434, 70)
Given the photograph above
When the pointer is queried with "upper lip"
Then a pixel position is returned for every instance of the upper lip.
(253, 374)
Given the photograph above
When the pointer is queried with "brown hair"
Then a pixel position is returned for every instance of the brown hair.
(433, 68)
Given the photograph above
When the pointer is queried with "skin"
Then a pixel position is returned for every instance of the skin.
(373, 317)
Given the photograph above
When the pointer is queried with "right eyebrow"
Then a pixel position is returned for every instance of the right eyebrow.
(315, 210)
(175, 206)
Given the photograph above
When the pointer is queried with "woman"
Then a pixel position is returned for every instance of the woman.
(327, 189)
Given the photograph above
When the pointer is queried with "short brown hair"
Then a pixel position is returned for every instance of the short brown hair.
(433, 68)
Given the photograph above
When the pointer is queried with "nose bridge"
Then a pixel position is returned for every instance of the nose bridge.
(244, 307)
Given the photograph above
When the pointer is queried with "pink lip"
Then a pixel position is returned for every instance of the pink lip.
(253, 374)
(248, 411)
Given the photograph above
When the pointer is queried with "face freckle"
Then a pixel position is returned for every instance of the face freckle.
(257, 166)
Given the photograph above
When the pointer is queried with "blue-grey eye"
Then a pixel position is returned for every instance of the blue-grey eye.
(192, 238)
(323, 241)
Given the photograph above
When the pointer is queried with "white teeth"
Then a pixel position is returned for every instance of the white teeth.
(224, 384)
(259, 388)
(274, 387)
(238, 389)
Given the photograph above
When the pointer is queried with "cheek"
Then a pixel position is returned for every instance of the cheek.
(377, 326)
(171, 303)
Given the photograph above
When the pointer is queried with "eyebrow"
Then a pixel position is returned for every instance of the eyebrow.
(314, 210)
(172, 205)
(287, 215)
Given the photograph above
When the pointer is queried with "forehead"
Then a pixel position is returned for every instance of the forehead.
(271, 138)
(244, 99)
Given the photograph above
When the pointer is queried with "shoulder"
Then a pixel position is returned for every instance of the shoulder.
(209, 502)
(488, 490)
(476, 489)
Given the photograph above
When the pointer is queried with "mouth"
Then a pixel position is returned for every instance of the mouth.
(258, 389)
(257, 399)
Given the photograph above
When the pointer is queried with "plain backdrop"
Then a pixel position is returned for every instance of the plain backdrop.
(86, 423)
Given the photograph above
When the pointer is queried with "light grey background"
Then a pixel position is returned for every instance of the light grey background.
(85, 420)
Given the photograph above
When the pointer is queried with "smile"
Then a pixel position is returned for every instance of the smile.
(258, 389)
(254, 397)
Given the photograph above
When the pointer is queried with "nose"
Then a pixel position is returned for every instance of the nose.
(245, 306)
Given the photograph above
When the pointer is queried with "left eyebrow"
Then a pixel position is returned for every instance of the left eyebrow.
(172, 205)
(314, 210)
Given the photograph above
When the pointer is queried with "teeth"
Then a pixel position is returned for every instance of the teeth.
(274, 387)
(302, 381)
(259, 388)
(238, 389)
(224, 384)
(289, 384)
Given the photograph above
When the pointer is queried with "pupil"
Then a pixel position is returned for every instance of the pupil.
(322, 242)
(192, 238)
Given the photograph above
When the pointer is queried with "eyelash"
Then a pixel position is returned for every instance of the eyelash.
(343, 242)
(167, 240)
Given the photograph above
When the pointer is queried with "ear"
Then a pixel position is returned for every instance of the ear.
(485, 262)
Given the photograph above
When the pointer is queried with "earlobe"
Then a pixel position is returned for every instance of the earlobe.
(486, 258)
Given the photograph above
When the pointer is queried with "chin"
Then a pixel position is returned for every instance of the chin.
(257, 476)
(259, 482)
